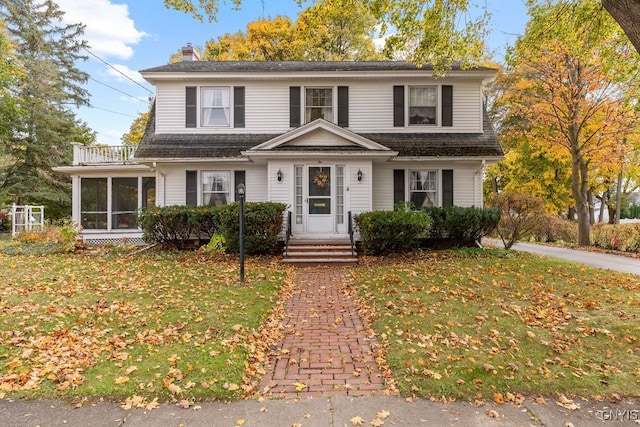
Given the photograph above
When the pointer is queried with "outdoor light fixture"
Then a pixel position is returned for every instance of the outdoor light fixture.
(241, 190)
(359, 175)
(279, 175)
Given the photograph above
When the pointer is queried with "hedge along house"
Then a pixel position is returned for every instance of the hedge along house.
(325, 138)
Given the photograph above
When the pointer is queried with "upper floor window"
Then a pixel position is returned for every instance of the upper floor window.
(214, 104)
(423, 105)
(318, 104)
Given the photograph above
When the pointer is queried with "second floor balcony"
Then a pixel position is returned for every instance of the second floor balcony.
(102, 154)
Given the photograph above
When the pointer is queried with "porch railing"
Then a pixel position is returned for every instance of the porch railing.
(351, 233)
(102, 154)
(288, 232)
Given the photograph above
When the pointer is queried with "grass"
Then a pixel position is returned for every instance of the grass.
(160, 325)
(481, 324)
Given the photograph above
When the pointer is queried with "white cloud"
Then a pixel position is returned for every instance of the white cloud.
(123, 69)
(109, 29)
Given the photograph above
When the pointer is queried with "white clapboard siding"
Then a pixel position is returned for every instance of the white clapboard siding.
(359, 194)
(370, 105)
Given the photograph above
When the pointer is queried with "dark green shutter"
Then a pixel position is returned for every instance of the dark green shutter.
(294, 106)
(191, 107)
(240, 178)
(398, 186)
(447, 105)
(238, 107)
(398, 106)
(447, 187)
(343, 106)
(192, 188)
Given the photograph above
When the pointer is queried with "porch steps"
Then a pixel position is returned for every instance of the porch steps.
(319, 252)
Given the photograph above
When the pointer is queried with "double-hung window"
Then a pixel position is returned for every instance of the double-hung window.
(318, 104)
(216, 187)
(423, 188)
(214, 105)
(423, 105)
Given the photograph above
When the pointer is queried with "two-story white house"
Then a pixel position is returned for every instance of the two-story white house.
(325, 138)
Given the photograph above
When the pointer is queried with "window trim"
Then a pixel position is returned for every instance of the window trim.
(229, 108)
(228, 193)
(333, 102)
(438, 106)
(437, 202)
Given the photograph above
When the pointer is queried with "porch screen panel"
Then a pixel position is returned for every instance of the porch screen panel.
(93, 203)
(339, 194)
(299, 189)
(124, 203)
(148, 191)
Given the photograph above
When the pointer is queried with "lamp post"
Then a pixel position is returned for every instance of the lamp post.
(241, 189)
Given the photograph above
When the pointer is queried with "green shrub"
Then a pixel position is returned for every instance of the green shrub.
(177, 226)
(217, 245)
(552, 228)
(520, 214)
(463, 225)
(384, 232)
(617, 237)
(263, 223)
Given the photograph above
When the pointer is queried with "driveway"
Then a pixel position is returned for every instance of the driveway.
(595, 259)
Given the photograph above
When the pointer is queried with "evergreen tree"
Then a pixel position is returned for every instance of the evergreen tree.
(47, 85)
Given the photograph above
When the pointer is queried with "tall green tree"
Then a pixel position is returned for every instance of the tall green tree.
(48, 85)
(567, 89)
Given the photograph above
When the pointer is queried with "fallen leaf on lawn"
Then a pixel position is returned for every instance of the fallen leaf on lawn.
(240, 422)
(498, 398)
(357, 421)
(197, 408)
(231, 386)
(152, 405)
(541, 400)
(376, 422)
(131, 369)
(264, 409)
(489, 367)
(383, 414)
(174, 389)
(121, 380)
(493, 414)
(300, 386)
(184, 404)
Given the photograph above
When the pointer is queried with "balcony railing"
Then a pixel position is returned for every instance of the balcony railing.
(102, 154)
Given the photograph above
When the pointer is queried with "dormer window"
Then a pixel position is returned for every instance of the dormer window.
(318, 104)
(214, 105)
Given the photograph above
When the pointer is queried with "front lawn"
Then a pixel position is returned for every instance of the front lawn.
(491, 324)
(157, 325)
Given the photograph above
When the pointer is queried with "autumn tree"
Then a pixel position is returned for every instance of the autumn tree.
(566, 89)
(136, 131)
(47, 86)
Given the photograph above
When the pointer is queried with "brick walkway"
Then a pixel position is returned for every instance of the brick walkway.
(326, 350)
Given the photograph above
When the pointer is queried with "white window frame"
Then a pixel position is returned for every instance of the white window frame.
(437, 106)
(332, 90)
(217, 194)
(217, 103)
(418, 180)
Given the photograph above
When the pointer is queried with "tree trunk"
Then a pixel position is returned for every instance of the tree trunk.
(580, 189)
(627, 14)
(619, 197)
(603, 204)
(592, 213)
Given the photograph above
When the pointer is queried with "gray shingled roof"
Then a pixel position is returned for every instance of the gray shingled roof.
(194, 146)
(293, 66)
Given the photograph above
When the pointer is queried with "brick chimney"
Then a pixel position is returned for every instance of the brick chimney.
(189, 53)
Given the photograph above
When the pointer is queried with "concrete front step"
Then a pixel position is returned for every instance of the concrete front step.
(319, 252)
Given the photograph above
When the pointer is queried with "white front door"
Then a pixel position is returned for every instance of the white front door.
(320, 203)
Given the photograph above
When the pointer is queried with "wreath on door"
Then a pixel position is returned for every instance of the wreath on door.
(321, 179)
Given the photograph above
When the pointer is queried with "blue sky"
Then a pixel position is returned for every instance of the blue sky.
(126, 36)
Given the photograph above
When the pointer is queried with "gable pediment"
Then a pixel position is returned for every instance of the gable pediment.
(319, 134)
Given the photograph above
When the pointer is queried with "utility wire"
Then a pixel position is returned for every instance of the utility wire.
(118, 71)
(118, 90)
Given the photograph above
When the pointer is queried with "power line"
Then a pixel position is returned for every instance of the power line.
(118, 71)
(118, 90)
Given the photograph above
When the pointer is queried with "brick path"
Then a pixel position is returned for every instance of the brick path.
(326, 350)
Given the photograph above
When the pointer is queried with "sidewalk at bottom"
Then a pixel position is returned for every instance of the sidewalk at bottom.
(322, 412)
